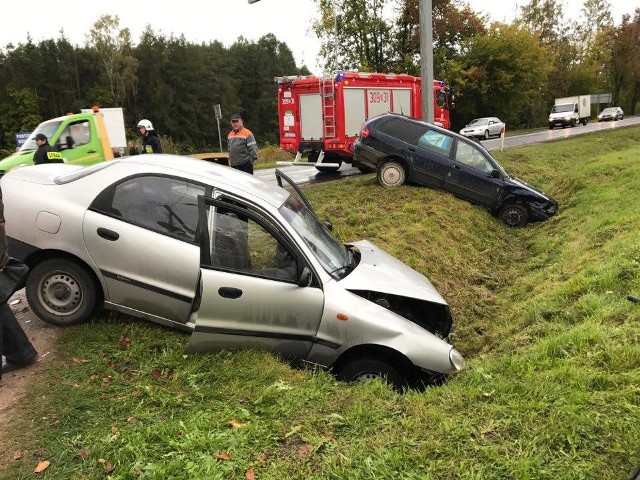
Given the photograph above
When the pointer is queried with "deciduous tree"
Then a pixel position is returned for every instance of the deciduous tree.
(502, 73)
(357, 31)
(113, 48)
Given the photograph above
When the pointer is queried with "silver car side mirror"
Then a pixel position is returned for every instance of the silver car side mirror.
(305, 277)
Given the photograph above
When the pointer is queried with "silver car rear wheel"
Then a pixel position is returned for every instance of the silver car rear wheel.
(391, 174)
(61, 292)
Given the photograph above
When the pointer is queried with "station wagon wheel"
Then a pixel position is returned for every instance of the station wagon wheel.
(514, 215)
(361, 370)
(61, 292)
(486, 135)
(391, 174)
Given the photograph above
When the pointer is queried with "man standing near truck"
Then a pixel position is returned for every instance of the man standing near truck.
(243, 149)
(45, 153)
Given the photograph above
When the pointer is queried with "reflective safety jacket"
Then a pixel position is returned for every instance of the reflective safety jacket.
(46, 154)
(242, 147)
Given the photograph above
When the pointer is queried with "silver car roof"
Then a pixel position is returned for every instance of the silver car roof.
(220, 176)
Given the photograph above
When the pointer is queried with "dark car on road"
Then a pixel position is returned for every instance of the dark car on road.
(611, 113)
(402, 149)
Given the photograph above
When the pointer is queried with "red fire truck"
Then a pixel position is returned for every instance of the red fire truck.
(320, 117)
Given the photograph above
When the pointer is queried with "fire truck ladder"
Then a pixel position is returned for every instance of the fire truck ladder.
(328, 107)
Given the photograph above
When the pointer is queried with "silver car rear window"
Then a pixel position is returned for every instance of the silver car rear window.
(81, 173)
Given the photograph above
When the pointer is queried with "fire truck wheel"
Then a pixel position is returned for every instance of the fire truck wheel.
(391, 174)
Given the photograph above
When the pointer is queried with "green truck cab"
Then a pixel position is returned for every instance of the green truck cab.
(81, 138)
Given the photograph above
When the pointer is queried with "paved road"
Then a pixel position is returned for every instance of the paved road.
(307, 174)
(557, 133)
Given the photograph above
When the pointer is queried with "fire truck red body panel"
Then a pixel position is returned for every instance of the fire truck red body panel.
(323, 115)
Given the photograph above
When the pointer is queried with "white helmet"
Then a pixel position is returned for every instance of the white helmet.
(146, 124)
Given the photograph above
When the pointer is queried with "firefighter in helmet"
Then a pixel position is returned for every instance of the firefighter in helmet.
(150, 140)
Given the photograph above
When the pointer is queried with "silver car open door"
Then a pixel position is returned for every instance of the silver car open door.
(252, 295)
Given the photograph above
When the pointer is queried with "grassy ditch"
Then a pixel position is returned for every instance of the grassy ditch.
(551, 389)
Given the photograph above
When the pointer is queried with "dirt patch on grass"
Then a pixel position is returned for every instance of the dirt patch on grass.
(15, 385)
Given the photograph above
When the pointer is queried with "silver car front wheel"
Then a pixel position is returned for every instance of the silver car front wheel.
(362, 370)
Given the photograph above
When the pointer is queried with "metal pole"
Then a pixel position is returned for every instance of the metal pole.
(426, 58)
(219, 136)
(335, 36)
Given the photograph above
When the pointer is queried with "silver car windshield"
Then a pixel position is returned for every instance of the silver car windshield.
(328, 250)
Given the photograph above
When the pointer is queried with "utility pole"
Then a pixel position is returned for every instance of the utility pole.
(425, 13)
(335, 34)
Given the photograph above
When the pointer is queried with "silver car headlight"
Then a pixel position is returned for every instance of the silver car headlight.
(457, 360)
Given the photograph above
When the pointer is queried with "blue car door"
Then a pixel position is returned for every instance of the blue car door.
(474, 176)
(431, 153)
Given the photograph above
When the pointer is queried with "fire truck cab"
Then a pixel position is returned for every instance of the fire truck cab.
(320, 117)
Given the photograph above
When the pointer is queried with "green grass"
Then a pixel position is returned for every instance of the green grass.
(551, 389)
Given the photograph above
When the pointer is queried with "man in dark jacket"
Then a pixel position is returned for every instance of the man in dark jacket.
(45, 153)
(243, 149)
(150, 141)
(14, 344)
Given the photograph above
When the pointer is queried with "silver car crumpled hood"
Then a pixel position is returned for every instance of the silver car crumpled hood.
(386, 281)
(378, 271)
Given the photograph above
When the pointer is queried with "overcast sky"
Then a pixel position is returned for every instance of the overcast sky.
(204, 21)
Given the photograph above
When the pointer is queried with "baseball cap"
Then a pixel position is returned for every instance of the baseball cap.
(236, 116)
(40, 136)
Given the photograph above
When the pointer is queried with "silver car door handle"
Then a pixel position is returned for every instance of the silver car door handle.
(229, 292)
(108, 234)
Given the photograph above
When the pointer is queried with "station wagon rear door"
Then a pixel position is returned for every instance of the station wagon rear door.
(250, 297)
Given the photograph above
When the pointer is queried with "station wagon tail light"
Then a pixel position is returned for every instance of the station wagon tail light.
(364, 132)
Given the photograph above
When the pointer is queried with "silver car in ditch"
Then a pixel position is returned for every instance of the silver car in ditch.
(236, 261)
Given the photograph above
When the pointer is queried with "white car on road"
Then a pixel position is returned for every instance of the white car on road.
(483, 128)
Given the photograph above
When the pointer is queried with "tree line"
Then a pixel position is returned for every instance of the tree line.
(168, 80)
(513, 71)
